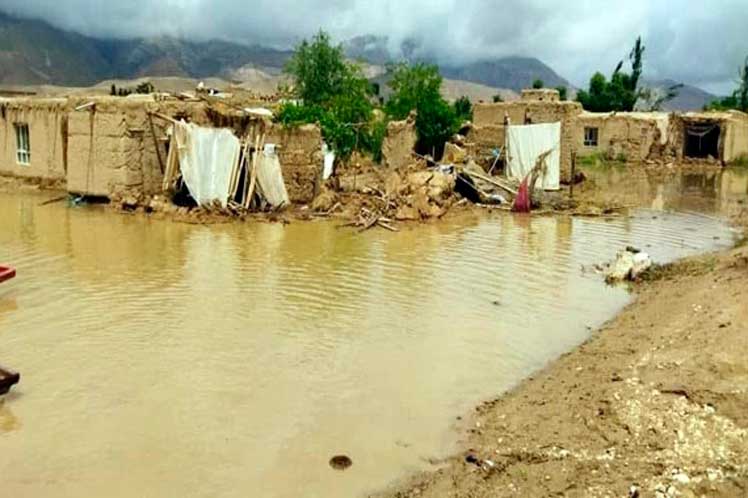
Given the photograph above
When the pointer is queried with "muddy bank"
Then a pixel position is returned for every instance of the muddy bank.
(654, 404)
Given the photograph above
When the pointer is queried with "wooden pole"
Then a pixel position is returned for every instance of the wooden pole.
(155, 144)
(259, 142)
(573, 173)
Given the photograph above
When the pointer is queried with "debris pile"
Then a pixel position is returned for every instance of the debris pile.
(379, 198)
(629, 265)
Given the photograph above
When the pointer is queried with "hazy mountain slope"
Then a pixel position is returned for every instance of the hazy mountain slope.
(690, 98)
(33, 52)
(513, 73)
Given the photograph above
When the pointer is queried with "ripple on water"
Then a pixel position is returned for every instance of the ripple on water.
(209, 361)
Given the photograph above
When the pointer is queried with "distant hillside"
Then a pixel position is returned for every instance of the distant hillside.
(690, 98)
(36, 53)
(33, 52)
(515, 73)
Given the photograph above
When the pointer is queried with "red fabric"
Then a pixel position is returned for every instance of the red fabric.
(523, 202)
(6, 273)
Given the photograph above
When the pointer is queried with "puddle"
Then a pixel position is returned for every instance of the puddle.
(161, 359)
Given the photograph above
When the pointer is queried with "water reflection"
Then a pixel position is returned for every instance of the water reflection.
(720, 192)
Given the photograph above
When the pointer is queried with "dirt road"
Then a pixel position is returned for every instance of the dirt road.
(655, 404)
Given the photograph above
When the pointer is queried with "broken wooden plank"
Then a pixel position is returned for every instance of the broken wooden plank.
(492, 181)
(55, 200)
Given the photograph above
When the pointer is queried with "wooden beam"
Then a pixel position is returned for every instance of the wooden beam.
(155, 144)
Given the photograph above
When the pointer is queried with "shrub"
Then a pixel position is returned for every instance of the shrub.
(418, 88)
(464, 109)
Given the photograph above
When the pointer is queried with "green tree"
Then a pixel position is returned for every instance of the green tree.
(621, 92)
(319, 69)
(739, 98)
(538, 84)
(497, 98)
(333, 93)
(418, 88)
(464, 109)
(563, 92)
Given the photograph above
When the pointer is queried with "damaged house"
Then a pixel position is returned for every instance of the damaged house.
(643, 136)
(622, 136)
(109, 147)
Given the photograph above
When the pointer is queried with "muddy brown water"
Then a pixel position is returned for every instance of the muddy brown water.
(161, 359)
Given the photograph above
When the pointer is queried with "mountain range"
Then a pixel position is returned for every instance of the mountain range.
(33, 52)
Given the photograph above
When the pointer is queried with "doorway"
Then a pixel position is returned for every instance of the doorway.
(702, 139)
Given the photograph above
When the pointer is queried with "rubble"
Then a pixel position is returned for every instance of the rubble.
(629, 265)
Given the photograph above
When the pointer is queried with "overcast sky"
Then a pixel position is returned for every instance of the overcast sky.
(697, 41)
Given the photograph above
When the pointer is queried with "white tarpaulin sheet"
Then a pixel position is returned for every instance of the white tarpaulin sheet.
(270, 177)
(207, 157)
(525, 144)
(328, 166)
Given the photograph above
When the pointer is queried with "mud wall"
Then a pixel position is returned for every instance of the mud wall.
(736, 137)
(482, 140)
(47, 122)
(624, 136)
(399, 144)
(111, 152)
(534, 112)
(541, 94)
(300, 156)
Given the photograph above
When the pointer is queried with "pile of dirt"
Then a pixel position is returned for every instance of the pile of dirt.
(653, 405)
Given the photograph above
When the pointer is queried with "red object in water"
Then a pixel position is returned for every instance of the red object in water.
(6, 273)
(523, 201)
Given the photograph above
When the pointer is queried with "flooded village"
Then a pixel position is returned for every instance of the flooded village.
(231, 292)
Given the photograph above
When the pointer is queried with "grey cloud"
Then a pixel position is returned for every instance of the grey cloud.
(691, 40)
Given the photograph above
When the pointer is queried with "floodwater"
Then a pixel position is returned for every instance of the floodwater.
(161, 359)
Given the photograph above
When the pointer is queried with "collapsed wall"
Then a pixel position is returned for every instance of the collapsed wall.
(46, 123)
(719, 136)
(399, 143)
(482, 141)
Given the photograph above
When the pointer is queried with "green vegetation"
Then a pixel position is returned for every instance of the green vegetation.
(464, 109)
(143, 88)
(563, 92)
(602, 160)
(621, 92)
(497, 98)
(739, 98)
(418, 88)
(538, 84)
(334, 94)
